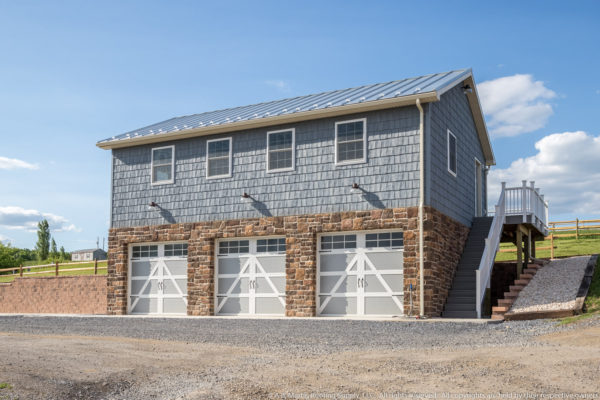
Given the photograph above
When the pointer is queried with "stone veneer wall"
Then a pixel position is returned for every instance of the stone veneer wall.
(444, 240)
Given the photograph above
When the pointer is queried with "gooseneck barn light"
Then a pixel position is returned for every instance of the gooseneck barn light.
(246, 198)
(356, 189)
(152, 206)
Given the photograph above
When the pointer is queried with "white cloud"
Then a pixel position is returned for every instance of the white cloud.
(565, 168)
(279, 84)
(515, 104)
(20, 218)
(13, 163)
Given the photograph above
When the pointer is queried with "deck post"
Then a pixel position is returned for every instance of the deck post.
(528, 246)
(519, 253)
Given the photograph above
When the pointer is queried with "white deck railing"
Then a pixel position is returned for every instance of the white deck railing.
(527, 201)
(522, 201)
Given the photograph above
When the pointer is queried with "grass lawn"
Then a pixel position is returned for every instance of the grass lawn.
(63, 270)
(592, 301)
(564, 247)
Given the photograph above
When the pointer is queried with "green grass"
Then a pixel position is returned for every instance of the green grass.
(592, 301)
(565, 247)
(62, 271)
(4, 385)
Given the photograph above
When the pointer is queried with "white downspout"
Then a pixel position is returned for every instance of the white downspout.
(421, 204)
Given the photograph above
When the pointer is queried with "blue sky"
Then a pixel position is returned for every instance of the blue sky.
(73, 73)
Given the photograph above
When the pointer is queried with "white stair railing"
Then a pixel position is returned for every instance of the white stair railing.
(492, 242)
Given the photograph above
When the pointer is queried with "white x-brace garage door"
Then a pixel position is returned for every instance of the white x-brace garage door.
(158, 279)
(250, 277)
(361, 274)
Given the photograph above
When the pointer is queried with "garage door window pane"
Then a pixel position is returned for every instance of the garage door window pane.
(234, 247)
(144, 251)
(176, 250)
(338, 242)
(270, 245)
(385, 239)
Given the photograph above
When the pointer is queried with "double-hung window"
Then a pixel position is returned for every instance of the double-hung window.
(163, 165)
(452, 163)
(280, 150)
(218, 158)
(351, 141)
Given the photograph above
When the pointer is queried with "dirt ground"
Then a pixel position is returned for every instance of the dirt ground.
(77, 367)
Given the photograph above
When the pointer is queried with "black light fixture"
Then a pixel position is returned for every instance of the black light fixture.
(246, 198)
(355, 189)
(467, 89)
(152, 206)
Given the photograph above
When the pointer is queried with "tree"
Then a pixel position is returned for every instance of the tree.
(54, 250)
(63, 253)
(42, 246)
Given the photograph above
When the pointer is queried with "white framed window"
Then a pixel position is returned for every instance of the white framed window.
(218, 158)
(281, 150)
(351, 141)
(452, 160)
(163, 165)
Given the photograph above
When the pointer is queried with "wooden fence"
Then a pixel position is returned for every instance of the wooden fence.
(577, 228)
(57, 268)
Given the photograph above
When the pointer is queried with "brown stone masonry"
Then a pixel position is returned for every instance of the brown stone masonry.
(444, 240)
(55, 294)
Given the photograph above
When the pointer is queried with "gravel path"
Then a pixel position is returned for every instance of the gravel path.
(554, 287)
(304, 336)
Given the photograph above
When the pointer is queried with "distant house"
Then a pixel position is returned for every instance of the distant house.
(88, 255)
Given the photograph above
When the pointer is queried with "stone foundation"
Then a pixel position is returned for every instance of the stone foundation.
(444, 240)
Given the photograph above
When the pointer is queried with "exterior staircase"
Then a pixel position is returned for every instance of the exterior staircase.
(506, 303)
(462, 298)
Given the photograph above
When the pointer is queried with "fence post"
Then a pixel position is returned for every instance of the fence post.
(576, 228)
(56, 268)
(552, 245)
(96, 267)
(21, 270)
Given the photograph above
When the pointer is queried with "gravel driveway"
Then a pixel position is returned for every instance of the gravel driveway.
(314, 336)
(216, 358)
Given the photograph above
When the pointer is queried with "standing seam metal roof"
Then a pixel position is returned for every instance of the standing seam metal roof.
(336, 98)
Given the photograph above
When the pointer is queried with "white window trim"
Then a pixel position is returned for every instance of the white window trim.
(453, 173)
(229, 175)
(293, 167)
(170, 181)
(365, 144)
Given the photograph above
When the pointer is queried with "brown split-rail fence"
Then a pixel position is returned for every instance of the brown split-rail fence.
(58, 268)
(577, 228)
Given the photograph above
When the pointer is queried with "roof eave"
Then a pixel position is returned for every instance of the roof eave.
(274, 120)
(479, 120)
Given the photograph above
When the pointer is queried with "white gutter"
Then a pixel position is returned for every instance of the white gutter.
(421, 204)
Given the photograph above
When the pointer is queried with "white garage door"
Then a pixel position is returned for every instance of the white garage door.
(360, 274)
(158, 279)
(250, 277)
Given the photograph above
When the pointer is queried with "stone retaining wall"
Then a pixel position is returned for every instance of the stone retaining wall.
(444, 241)
(55, 294)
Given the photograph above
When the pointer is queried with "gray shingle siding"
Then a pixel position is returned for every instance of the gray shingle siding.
(454, 196)
(390, 177)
